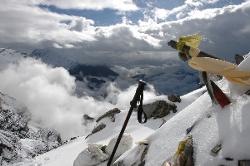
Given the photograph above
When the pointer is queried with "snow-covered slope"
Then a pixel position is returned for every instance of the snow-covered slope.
(67, 153)
(228, 126)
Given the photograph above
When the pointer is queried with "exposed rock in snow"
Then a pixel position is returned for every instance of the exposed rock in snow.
(159, 109)
(110, 114)
(174, 98)
(97, 129)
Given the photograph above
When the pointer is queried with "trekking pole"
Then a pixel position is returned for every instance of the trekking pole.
(133, 104)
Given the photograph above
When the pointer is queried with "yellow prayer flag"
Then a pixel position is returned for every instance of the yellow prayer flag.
(192, 41)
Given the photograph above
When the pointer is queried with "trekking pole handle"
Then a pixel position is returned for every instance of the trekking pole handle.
(139, 91)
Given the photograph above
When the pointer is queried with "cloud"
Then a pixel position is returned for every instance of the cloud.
(25, 23)
(224, 29)
(49, 95)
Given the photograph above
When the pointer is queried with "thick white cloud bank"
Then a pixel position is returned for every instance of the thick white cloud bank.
(24, 24)
(49, 95)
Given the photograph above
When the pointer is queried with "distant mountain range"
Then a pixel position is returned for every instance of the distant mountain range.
(174, 77)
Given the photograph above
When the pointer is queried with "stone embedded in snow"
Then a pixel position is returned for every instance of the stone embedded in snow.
(97, 129)
(174, 98)
(216, 149)
(125, 144)
(159, 109)
(111, 114)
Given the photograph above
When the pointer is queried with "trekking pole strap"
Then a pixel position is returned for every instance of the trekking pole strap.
(141, 115)
(138, 97)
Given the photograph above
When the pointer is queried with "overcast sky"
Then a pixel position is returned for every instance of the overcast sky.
(124, 25)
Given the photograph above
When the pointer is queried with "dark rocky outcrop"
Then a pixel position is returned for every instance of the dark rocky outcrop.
(14, 121)
(159, 109)
(8, 147)
(17, 139)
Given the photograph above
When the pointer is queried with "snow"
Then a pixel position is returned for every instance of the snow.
(62, 156)
(125, 144)
(229, 126)
(66, 154)
(94, 155)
